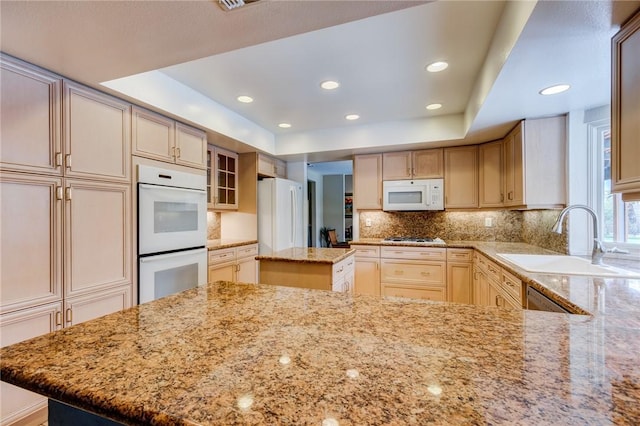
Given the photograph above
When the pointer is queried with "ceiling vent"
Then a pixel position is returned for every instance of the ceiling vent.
(234, 4)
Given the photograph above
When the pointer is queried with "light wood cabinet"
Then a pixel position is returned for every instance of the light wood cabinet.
(236, 264)
(96, 134)
(96, 304)
(625, 111)
(367, 270)
(459, 275)
(534, 164)
(493, 286)
(367, 182)
(461, 177)
(336, 276)
(413, 272)
(271, 167)
(423, 164)
(161, 138)
(30, 113)
(31, 240)
(17, 404)
(97, 237)
(490, 177)
(222, 172)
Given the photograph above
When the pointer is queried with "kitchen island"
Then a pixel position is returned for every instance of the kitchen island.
(313, 268)
(262, 354)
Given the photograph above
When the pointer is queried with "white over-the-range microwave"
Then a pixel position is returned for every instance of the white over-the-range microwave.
(417, 194)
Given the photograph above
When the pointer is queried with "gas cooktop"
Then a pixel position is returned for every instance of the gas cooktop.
(414, 240)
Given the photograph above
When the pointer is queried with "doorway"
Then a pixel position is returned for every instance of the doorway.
(311, 200)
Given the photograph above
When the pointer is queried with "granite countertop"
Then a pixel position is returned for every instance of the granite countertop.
(260, 354)
(308, 255)
(228, 243)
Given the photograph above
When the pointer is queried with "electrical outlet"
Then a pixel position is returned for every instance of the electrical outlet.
(488, 222)
(367, 222)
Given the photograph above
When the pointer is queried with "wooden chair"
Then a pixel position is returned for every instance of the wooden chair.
(333, 240)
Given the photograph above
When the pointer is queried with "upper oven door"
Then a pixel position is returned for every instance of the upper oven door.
(170, 218)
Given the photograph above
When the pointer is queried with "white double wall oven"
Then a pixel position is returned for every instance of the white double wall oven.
(172, 232)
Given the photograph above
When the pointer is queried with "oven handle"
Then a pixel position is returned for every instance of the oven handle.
(171, 255)
(148, 186)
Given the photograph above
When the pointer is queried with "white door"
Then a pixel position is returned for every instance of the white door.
(170, 273)
(171, 218)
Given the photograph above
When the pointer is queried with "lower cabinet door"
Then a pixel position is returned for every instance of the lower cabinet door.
(367, 276)
(84, 308)
(427, 293)
(459, 282)
(17, 404)
(224, 272)
(247, 270)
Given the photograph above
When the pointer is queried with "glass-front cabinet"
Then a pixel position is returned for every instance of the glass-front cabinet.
(222, 179)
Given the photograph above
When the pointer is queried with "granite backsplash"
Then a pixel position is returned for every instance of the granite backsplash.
(213, 225)
(531, 227)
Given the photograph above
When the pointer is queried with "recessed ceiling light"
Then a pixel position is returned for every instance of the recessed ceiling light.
(284, 125)
(434, 106)
(437, 66)
(245, 99)
(352, 116)
(329, 85)
(553, 90)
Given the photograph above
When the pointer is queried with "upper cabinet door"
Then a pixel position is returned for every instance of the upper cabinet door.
(625, 110)
(427, 163)
(96, 134)
(396, 165)
(461, 177)
(490, 174)
(30, 114)
(367, 182)
(152, 135)
(191, 147)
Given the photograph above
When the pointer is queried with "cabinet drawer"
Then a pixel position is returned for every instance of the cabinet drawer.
(460, 255)
(366, 251)
(421, 253)
(247, 251)
(413, 273)
(512, 285)
(222, 255)
(435, 294)
(493, 271)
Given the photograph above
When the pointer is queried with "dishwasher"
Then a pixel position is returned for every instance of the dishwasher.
(539, 302)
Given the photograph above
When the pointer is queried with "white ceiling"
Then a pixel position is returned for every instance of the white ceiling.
(500, 53)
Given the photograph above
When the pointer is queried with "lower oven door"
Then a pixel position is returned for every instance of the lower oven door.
(170, 218)
(165, 274)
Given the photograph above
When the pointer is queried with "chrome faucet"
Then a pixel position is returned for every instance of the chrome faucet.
(598, 248)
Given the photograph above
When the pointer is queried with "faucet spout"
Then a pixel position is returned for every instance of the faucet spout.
(598, 248)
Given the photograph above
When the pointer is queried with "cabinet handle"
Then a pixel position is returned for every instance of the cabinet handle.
(178, 152)
(67, 161)
(497, 300)
(510, 195)
(68, 315)
(398, 272)
(341, 268)
(59, 194)
(425, 274)
(58, 318)
(68, 193)
(58, 159)
(501, 197)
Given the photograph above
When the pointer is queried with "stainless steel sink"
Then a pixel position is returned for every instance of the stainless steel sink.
(568, 265)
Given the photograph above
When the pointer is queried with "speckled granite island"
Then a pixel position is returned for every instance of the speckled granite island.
(314, 268)
(262, 354)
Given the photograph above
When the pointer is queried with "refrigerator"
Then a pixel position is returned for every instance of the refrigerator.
(279, 215)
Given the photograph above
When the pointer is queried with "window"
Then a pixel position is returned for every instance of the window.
(620, 220)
